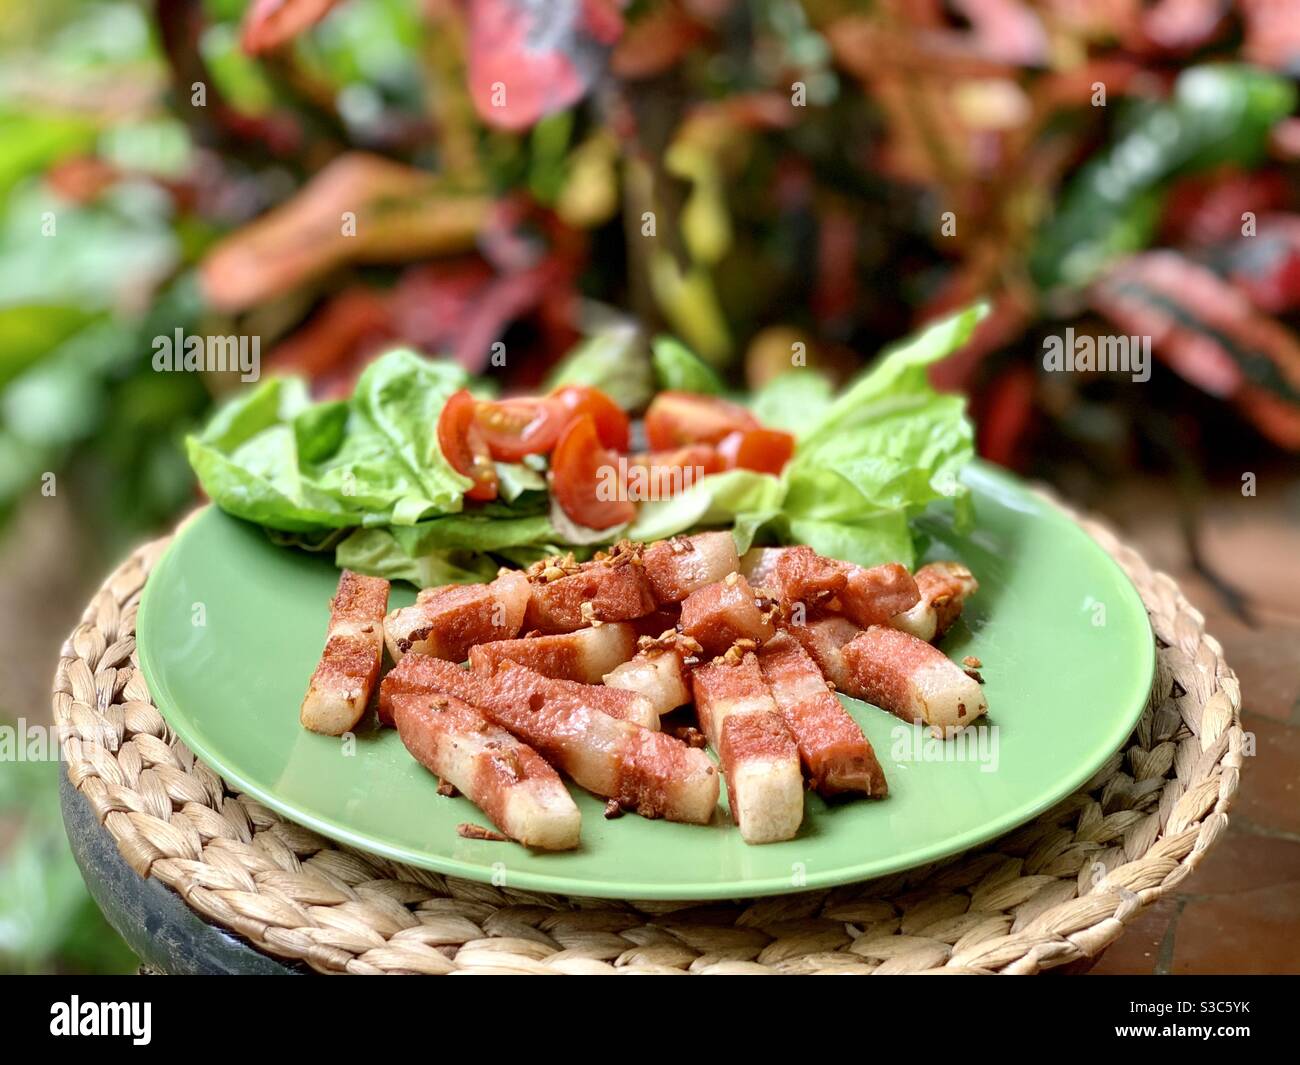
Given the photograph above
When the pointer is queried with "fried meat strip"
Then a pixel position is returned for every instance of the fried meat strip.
(836, 755)
(658, 672)
(446, 622)
(340, 688)
(759, 757)
(566, 598)
(509, 781)
(944, 588)
(677, 567)
(800, 576)
(824, 639)
(585, 655)
(649, 772)
(719, 614)
(625, 705)
(910, 678)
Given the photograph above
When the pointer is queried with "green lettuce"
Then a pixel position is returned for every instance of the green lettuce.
(865, 462)
(275, 458)
(366, 478)
(678, 369)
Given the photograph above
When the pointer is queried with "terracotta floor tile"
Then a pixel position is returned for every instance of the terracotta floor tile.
(1250, 932)
(1137, 951)
(1270, 781)
(1243, 861)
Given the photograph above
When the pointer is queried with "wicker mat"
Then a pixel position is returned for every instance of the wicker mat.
(1058, 890)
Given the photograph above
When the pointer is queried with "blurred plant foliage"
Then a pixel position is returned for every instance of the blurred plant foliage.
(755, 176)
(47, 921)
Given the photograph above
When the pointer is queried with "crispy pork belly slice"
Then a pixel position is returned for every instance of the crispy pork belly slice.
(586, 655)
(911, 679)
(675, 568)
(824, 639)
(944, 589)
(804, 576)
(798, 575)
(340, 688)
(718, 615)
(764, 784)
(873, 596)
(413, 673)
(658, 673)
(758, 566)
(509, 781)
(649, 772)
(758, 755)
(836, 755)
(446, 622)
(599, 591)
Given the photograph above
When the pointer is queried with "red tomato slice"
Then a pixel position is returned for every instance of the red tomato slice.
(463, 445)
(611, 422)
(663, 473)
(764, 450)
(521, 426)
(679, 418)
(581, 478)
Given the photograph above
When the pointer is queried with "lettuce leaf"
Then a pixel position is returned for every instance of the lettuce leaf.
(865, 462)
(366, 475)
(614, 361)
(678, 369)
(884, 449)
(378, 553)
(792, 400)
(273, 457)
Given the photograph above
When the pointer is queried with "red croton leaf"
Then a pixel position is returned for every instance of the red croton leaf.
(531, 58)
(1266, 266)
(269, 24)
(1210, 208)
(336, 341)
(656, 41)
(360, 208)
(1184, 25)
(1210, 334)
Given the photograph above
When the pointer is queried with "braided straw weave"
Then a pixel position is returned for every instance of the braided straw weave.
(1058, 890)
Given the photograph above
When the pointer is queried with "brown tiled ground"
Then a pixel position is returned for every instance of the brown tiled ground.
(1240, 911)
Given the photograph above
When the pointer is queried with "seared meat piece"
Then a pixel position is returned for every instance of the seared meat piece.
(677, 567)
(586, 655)
(910, 678)
(509, 781)
(649, 772)
(944, 588)
(836, 755)
(597, 591)
(446, 622)
(340, 688)
(718, 615)
(758, 755)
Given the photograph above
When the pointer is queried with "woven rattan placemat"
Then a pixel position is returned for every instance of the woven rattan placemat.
(1058, 890)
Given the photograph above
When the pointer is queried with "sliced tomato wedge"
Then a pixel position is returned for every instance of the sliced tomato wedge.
(663, 474)
(764, 450)
(611, 421)
(464, 447)
(676, 419)
(519, 426)
(585, 478)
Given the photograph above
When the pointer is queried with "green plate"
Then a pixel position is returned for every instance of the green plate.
(231, 626)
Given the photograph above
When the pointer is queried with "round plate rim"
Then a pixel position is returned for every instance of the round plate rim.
(558, 884)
